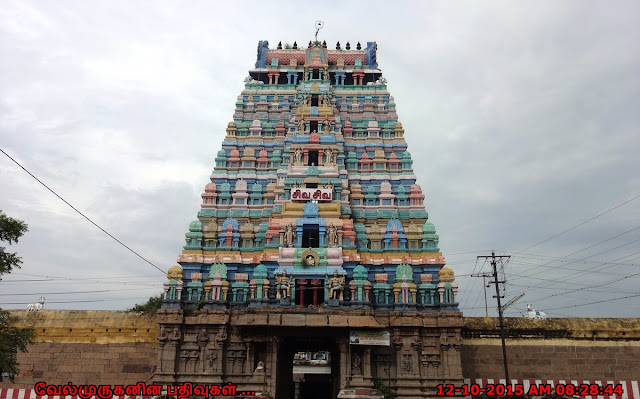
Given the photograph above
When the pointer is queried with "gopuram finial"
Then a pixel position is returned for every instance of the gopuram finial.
(319, 25)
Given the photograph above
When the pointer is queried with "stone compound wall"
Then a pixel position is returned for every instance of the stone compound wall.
(577, 349)
(121, 348)
(86, 347)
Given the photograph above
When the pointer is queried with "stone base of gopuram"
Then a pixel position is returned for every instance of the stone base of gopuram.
(288, 353)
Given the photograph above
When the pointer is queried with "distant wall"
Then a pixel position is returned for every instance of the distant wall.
(86, 347)
(579, 349)
(556, 359)
(121, 348)
(108, 364)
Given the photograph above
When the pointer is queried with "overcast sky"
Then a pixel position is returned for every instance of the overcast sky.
(522, 119)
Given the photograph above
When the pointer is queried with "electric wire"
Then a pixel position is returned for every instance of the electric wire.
(565, 278)
(464, 291)
(66, 293)
(589, 247)
(74, 301)
(78, 278)
(596, 302)
(578, 225)
(588, 287)
(82, 214)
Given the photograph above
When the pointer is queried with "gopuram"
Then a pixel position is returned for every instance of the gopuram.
(312, 270)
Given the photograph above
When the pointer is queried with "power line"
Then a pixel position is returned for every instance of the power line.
(82, 214)
(593, 303)
(563, 288)
(589, 247)
(578, 225)
(588, 287)
(589, 270)
(464, 291)
(59, 293)
(470, 252)
(584, 271)
(56, 281)
(74, 301)
(530, 259)
(69, 293)
(78, 278)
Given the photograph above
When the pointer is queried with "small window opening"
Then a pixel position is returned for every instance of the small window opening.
(313, 158)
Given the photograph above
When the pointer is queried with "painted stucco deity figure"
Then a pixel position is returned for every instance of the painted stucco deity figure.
(328, 153)
(298, 156)
(325, 75)
(326, 125)
(288, 236)
(283, 283)
(325, 100)
(301, 125)
(310, 260)
(336, 284)
(332, 236)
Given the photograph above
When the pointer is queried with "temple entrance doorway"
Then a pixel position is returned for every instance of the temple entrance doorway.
(309, 292)
(308, 367)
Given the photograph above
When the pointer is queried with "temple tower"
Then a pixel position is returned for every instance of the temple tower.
(312, 240)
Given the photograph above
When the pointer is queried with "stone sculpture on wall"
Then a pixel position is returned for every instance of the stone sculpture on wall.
(283, 284)
(289, 235)
(332, 236)
(336, 285)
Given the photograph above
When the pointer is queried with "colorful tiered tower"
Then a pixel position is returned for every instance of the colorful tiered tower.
(313, 204)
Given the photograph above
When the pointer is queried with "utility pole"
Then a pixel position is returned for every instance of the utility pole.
(497, 283)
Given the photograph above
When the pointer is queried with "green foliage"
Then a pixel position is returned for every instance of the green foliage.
(12, 339)
(287, 46)
(10, 231)
(387, 392)
(153, 304)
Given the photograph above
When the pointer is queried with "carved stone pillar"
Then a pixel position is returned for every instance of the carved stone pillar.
(345, 366)
(397, 346)
(170, 356)
(444, 346)
(248, 364)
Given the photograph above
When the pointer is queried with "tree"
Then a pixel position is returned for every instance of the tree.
(152, 305)
(386, 392)
(12, 339)
(10, 230)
